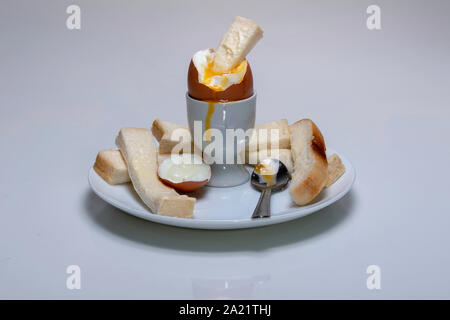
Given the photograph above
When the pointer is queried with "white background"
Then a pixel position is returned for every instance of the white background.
(380, 97)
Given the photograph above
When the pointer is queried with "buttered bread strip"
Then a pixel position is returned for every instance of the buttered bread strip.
(271, 135)
(111, 166)
(335, 169)
(237, 42)
(310, 162)
(164, 129)
(171, 135)
(139, 151)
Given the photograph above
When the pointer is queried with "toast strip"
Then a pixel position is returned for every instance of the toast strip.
(237, 42)
(111, 166)
(171, 135)
(335, 169)
(139, 151)
(271, 135)
(310, 162)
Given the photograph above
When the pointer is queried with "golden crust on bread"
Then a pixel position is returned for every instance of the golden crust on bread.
(310, 162)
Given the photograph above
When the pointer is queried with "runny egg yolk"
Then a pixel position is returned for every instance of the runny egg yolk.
(211, 108)
(221, 81)
(266, 172)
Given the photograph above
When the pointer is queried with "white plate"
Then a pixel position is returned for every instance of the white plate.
(225, 208)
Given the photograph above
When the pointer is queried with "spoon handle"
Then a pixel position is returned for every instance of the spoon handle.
(262, 209)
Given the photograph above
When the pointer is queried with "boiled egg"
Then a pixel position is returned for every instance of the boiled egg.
(185, 172)
(205, 85)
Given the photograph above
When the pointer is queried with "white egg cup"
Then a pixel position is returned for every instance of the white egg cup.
(227, 115)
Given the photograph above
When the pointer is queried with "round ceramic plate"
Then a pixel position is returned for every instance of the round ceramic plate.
(225, 208)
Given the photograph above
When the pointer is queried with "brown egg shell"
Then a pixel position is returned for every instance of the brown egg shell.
(185, 186)
(235, 92)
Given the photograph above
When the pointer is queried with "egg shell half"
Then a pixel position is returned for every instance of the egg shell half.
(235, 92)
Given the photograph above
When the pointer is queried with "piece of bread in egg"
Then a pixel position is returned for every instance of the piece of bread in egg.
(139, 151)
(237, 42)
(310, 162)
(335, 169)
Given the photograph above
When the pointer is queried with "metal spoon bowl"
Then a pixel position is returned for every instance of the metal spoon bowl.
(281, 179)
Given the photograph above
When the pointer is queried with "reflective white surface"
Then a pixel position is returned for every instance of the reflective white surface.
(380, 97)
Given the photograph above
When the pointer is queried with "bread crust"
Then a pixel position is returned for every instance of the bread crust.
(305, 187)
(163, 131)
(256, 143)
(158, 129)
(335, 169)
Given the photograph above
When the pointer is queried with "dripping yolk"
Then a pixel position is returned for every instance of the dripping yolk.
(211, 107)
